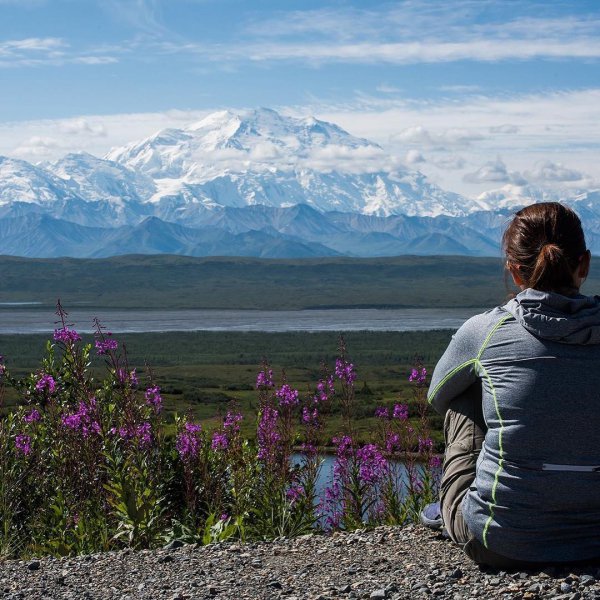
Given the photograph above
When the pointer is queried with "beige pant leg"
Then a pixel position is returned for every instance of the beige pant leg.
(464, 432)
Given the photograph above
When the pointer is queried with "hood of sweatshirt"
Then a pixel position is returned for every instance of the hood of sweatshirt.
(566, 319)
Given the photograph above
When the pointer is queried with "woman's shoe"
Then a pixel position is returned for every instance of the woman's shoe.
(431, 516)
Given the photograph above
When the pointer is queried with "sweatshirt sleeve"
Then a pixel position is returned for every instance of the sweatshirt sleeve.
(456, 370)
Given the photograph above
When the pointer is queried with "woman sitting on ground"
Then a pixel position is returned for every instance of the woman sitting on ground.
(519, 387)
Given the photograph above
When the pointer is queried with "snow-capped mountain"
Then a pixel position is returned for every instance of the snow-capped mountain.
(262, 157)
(255, 183)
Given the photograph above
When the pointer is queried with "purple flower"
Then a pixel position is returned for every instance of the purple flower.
(310, 417)
(220, 441)
(344, 370)
(294, 493)
(232, 421)
(400, 412)
(372, 464)
(23, 443)
(104, 346)
(84, 419)
(287, 396)
(264, 379)
(66, 335)
(325, 390)
(32, 417)
(268, 436)
(425, 445)
(418, 376)
(392, 442)
(153, 398)
(435, 462)
(382, 412)
(188, 441)
(224, 517)
(45, 382)
(343, 445)
(143, 434)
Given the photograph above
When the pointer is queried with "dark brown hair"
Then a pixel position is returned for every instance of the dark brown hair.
(546, 242)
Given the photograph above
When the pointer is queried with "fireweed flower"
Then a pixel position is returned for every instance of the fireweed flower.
(232, 421)
(344, 370)
(32, 417)
(153, 398)
(188, 441)
(23, 443)
(265, 379)
(400, 412)
(392, 442)
(220, 441)
(294, 493)
(325, 390)
(268, 436)
(287, 396)
(143, 434)
(372, 464)
(382, 412)
(418, 376)
(425, 445)
(66, 335)
(310, 417)
(45, 382)
(435, 462)
(84, 420)
(126, 378)
(104, 346)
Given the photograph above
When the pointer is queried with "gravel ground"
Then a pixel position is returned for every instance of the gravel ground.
(385, 563)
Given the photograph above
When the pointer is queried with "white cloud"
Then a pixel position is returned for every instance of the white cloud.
(37, 147)
(414, 157)
(82, 126)
(494, 172)
(420, 136)
(548, 172)
(50, 51)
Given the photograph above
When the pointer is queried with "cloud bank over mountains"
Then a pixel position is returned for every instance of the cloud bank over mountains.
(260, 183)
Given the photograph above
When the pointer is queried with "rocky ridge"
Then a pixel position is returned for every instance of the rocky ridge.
(382, 564)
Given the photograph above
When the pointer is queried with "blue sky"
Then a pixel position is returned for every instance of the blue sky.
(476, 94)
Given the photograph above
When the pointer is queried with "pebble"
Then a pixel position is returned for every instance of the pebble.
(387, 563)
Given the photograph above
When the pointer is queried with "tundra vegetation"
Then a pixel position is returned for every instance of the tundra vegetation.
(92, 461)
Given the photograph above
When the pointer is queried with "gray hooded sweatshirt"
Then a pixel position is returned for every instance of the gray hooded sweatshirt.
(536, 494)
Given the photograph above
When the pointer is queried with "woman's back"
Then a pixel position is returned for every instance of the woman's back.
(535, 496)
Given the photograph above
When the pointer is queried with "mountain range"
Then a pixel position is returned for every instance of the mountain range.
(250, 184)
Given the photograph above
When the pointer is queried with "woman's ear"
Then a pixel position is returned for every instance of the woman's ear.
(515, 274)
(584, 264)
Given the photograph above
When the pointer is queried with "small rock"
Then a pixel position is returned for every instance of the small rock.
(587, 580)
(274, 584)
(378, 595)
(165, 559)
(345, 590)
(456, 574)
(34, 565)
(566, 588)
(174, 544)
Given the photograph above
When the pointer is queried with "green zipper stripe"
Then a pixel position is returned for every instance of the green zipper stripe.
(468, 362)
(449, 376)
(490, 334)
(500, 461)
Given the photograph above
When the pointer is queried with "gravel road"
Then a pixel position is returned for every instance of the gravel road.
(385, 563)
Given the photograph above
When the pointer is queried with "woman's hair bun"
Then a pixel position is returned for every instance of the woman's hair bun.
(546, 241)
